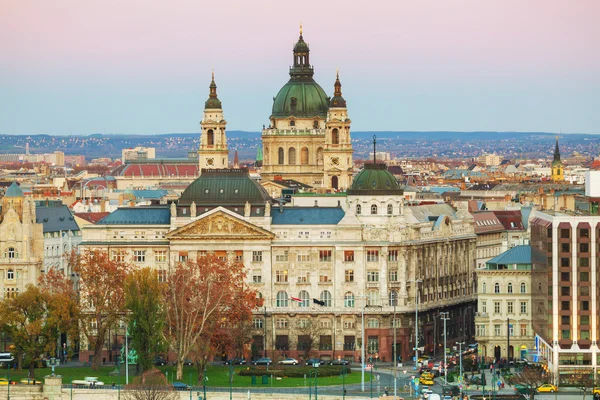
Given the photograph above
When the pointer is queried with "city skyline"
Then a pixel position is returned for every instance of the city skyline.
(139, 68)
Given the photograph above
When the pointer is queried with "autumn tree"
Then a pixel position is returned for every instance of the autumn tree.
(151, 385)
(205, 296)
(102, 298)
(27, 319)
(145, 304)
(531, 378)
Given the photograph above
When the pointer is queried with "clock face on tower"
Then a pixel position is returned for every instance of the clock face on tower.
(335, 161)
(210, 161)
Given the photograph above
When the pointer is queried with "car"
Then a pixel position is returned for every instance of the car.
(181, 386)
(522, 389)
(472, 348)
(158, 360)
(423, 359)
(236, 361)
(547, 388)
(313, 361)
(427, 375)
(426, 393)
(447, 397)
(262, 361)
(87, 381)
(339, 361)
(426, 381)
(4, 382)
(450, 390)
(28, 381)
(596, 390)
(424, 388)
(288, 361)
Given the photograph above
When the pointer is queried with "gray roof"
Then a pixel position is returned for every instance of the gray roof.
(431, 212)
(307, 215)
(56, 218)
(159, 215)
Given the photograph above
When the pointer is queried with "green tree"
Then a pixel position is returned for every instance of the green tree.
(144, 301)
(27, 319)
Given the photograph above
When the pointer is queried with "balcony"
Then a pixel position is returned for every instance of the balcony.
(325, 347)
(482, 314)
(372, 284)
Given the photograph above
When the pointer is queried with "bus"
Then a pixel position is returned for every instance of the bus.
(6, 359)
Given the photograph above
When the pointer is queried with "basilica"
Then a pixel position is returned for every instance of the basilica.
(323, 261)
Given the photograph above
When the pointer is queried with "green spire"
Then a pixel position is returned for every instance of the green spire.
(259, 156)
(556, 154)
(213, 101)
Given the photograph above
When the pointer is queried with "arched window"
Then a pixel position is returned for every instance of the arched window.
(292, 156)
(305, 297)
(280, 156)
(315, 124)
(496, 287)
(349, 299)
(523, 287)
(373, 209)
(509, 288)
(335, 136)
(393, 298)
(326, 297)
(358, 209)
(210, 137)
(292, 123)
(10, 274)
(304, 156)
(282, 299)
(11, 252)
(390, 209)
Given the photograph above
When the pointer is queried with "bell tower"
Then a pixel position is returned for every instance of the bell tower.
(558, 168)
(337, 153)
(213, 152)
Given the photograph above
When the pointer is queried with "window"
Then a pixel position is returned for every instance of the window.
(565, 291)
(326, 297)
(565, 233)
(325, 323)
(511, 330)
(373, 297)
(349, 299)
(393, 275)
(257, 323)
(349, 255)
(374, 209)
(584, 335)
(160, 256)
(324, 277)
(373, 323)
(281, 323)
(302, 234)
(565, 261)
(496, 307)
(324, 255)
(303, 257)
(565, 305)
(256, 256)
(390, 209)
(282, 299)
(565, 247)
(358, 209)
(393, 298)
(373, 344)
(11, 252)
(282, 256)
(10, 274)
(484, 307)
(373, 276)
(523, 307)
(305, 299)
(349, 324)
(584, 232)
(162, 275)
(584, 262)
(372, 255)
(326, 234)
(497, 330)
(393, 255)
(280, 154)
(291, 156)
(139, 255)
(565, 276)
(584, 247)
(483, 287)
(509, 288)
(584, 290)
(565, 334)
(281, 276)
(496, 287)
(118, 255)
(335, 136)
(583, 320)
(303, 323)
(510, 307)
(585, 306)
(256, 276)
(349, 275)
(183, 256)
(523, 287)
(584, 276)
(523, 329)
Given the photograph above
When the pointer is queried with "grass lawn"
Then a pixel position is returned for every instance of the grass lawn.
(217, 376)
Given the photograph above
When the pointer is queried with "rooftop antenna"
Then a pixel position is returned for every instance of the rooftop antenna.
(374, 149)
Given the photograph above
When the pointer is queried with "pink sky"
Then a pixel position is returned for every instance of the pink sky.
(116, 63)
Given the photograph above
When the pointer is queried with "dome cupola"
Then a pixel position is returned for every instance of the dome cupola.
(337, 101)
(213, 101)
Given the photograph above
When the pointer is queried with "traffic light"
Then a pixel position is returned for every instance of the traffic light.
(319, 302)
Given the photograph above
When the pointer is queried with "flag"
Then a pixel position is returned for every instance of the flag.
(296, 299)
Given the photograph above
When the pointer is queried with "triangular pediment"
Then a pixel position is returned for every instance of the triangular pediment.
(220, 226)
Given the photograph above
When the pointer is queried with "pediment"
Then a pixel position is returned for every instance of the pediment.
(220, 226)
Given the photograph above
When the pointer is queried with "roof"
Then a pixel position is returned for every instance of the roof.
(486, 222)
(300, 99)
(512, 220)
(517, 255)
(375, 179)
(55, 218)
(307, 216)
(14, 191)
(157, 215)
(149, 193)
(92, 217)
(432, 212)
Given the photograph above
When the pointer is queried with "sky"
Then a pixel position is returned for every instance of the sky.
(144, 66)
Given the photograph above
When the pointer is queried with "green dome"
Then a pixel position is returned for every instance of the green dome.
(14, 191)
(302, 99)
(215, 187)
(375, 179)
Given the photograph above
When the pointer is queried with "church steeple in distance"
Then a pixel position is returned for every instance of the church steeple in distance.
(337, 100)
(557, 165)
(556, 151)
(213, 101)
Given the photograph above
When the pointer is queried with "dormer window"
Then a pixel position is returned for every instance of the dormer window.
(11, 252)
(292, 123)
(358, 209)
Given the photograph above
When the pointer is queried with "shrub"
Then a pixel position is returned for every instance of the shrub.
(292, 372)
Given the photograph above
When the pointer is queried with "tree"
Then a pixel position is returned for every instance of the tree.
(531, 378)
(26, 318)
(585, 382)
(145, 303)
(102, 298)
(309, 334)
(151, 385)
(205, 296)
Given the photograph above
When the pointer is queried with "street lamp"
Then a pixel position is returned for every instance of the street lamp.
(460, 373)
(394, 301)
(445, 318)
(416, 281)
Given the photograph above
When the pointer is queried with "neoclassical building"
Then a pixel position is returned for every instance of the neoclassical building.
(362, 254)
(308, 137)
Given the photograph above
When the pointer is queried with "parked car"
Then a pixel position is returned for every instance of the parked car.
(181, 386)
(262, 361)
(313, 361)
(158, 360)
(4, 382)
(289, 361)
(547, 387)
(236, 361)
(596, 390)
(450, 390)
(339, 361)
(522, 389)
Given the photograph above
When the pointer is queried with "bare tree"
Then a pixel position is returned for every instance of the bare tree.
(531, 378)
(585, 383)
(151, 385)
(309, 334)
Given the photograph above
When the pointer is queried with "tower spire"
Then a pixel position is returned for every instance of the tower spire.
(374, 149)
(556, 151)
(213, 101)
(337, 100)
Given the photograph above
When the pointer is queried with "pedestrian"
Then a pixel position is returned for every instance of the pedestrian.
(385, 391)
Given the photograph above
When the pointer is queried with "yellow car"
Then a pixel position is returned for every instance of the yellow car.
(3, 382)
(423, 359)
(596, 390)
(547, 387)
(427, 375)
(426, 381)
(27, 381)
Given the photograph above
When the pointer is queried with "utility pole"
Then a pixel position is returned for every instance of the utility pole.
(445, 318)
(394, 301)
(416, 282)
(460, 376)
(508, 342)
